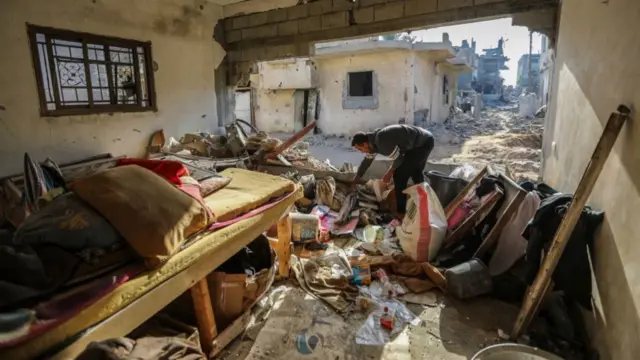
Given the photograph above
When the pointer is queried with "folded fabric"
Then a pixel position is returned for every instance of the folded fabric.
(213, 184)
(168, 169)
(27, 272)
(153, 216)
(67, 222)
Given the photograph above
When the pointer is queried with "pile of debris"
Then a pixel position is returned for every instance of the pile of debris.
(239, 147)
(461, 235)
(499, 137)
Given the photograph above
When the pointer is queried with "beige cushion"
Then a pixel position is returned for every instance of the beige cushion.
(153, 216)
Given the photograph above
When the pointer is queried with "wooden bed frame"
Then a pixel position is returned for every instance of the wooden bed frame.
(194, 279)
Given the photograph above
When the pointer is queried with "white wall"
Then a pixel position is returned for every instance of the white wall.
(275, 110)
(596, 69)
(395, 91)
(243, 105)
(424, 81)
(293, 73)
(186, 55)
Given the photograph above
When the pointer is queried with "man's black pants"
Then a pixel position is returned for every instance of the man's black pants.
(412, 167)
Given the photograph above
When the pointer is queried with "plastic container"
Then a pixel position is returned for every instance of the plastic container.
(469, 279)
(513, 352)
(304, 227)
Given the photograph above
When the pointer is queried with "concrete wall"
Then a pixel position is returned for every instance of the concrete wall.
(596, 69)
(243, 105)
(275, 110)
(186, 55)
(293, 73)
(395, 91)
(424, 77)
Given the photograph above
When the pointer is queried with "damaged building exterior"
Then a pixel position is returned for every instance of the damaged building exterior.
(489, 82)
(200, 50)
(360, 86)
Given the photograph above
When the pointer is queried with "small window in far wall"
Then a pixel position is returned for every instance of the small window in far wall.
(361, 84)
(79, 73)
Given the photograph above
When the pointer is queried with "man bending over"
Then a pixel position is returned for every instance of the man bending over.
(409, 148)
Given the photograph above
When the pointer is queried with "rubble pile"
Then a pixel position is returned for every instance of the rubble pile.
(499, 137)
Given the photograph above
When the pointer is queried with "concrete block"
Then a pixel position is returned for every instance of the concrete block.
(234, 56)
(310, 24)
(233, 36)
(417, 7)
(483, 2)
(297, 12)
(336, 20)
(366, 3)
(453, 4)
(278, 15)
(340, 5)
(388, 11)
(364, 16)
(288, 28)
(257, 19)
(280, 51)
(260, 32)
(239, 22)
(252, 54)
(320, 7)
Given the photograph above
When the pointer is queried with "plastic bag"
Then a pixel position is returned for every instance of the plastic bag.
(465, 171)
(372, 332)
(424, 226)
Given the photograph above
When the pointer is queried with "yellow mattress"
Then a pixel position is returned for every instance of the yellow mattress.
(246, 191)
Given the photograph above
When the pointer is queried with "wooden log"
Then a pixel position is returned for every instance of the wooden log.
(283, 248)
(542, 282)
(204, 314)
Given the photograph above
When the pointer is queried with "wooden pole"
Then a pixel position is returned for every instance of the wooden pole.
(292, 140)
(284, 247)
(204, 314)
(541, 284)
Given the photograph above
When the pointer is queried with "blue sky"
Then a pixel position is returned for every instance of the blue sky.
(486, 34)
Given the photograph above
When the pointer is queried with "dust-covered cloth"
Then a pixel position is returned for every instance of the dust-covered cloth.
(327, 278)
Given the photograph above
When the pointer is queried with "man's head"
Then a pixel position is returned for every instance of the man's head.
(360, 142)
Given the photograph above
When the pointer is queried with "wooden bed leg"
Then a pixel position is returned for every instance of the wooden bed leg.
(204, 314)
(283, 248)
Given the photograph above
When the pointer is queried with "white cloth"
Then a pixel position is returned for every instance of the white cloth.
(511, 245)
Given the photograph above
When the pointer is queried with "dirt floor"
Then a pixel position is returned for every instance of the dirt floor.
(500, 137)
(448, 329)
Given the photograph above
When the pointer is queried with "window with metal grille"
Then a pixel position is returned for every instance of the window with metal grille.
(79, 73)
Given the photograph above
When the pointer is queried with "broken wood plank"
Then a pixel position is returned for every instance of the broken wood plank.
(292, 140)
(204, 314)
(502, 221)
(463, 194)
(473, 219)
(542, 282)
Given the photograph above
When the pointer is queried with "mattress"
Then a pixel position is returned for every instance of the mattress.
(247, 191)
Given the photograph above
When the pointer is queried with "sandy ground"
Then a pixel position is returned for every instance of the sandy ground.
(499, 137)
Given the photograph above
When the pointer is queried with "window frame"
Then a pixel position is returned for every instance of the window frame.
(360, 102)
(349, 88)
(84, 38)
